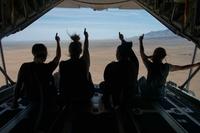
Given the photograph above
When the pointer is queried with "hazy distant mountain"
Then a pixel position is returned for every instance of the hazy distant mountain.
(161, 34)
(162, 37)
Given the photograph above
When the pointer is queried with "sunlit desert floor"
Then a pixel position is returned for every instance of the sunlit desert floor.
(102, 53)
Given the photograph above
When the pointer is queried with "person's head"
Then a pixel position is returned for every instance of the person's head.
(75, 47)
(122, 52)
(159, 54)
(39, 52)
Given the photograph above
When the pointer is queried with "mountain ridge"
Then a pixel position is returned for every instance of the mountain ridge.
(161, 37)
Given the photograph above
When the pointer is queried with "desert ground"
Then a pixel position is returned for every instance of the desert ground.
(102, 53)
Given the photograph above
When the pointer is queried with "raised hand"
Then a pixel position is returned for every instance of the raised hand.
(85, 33)
(57, 38)
(141, 37)
(121, 36)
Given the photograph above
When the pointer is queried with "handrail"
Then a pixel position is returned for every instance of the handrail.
(6, 75)
(15, 120)
(172, 122)
(183, 93)
(6, 93)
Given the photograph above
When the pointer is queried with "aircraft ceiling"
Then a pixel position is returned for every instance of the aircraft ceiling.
(16, 16)
(100, 4)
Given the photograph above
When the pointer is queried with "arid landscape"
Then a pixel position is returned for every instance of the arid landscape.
(179, 52)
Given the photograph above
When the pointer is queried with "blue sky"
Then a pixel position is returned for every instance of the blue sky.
(100, 24)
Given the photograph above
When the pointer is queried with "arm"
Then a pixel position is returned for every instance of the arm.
(176, 67)
(58, 50)
(132, 55)
(143, 55)
(121, 37)
(123, 41)
(86, 54)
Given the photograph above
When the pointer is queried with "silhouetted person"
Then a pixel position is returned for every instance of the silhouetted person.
(153, 86)
(76, 85)
(35, 81)
(120, 77)
(75, 79)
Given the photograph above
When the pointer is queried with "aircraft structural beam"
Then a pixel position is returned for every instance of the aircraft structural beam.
(3, 62)
(191, 70)
(190, 78)
(182, 18)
